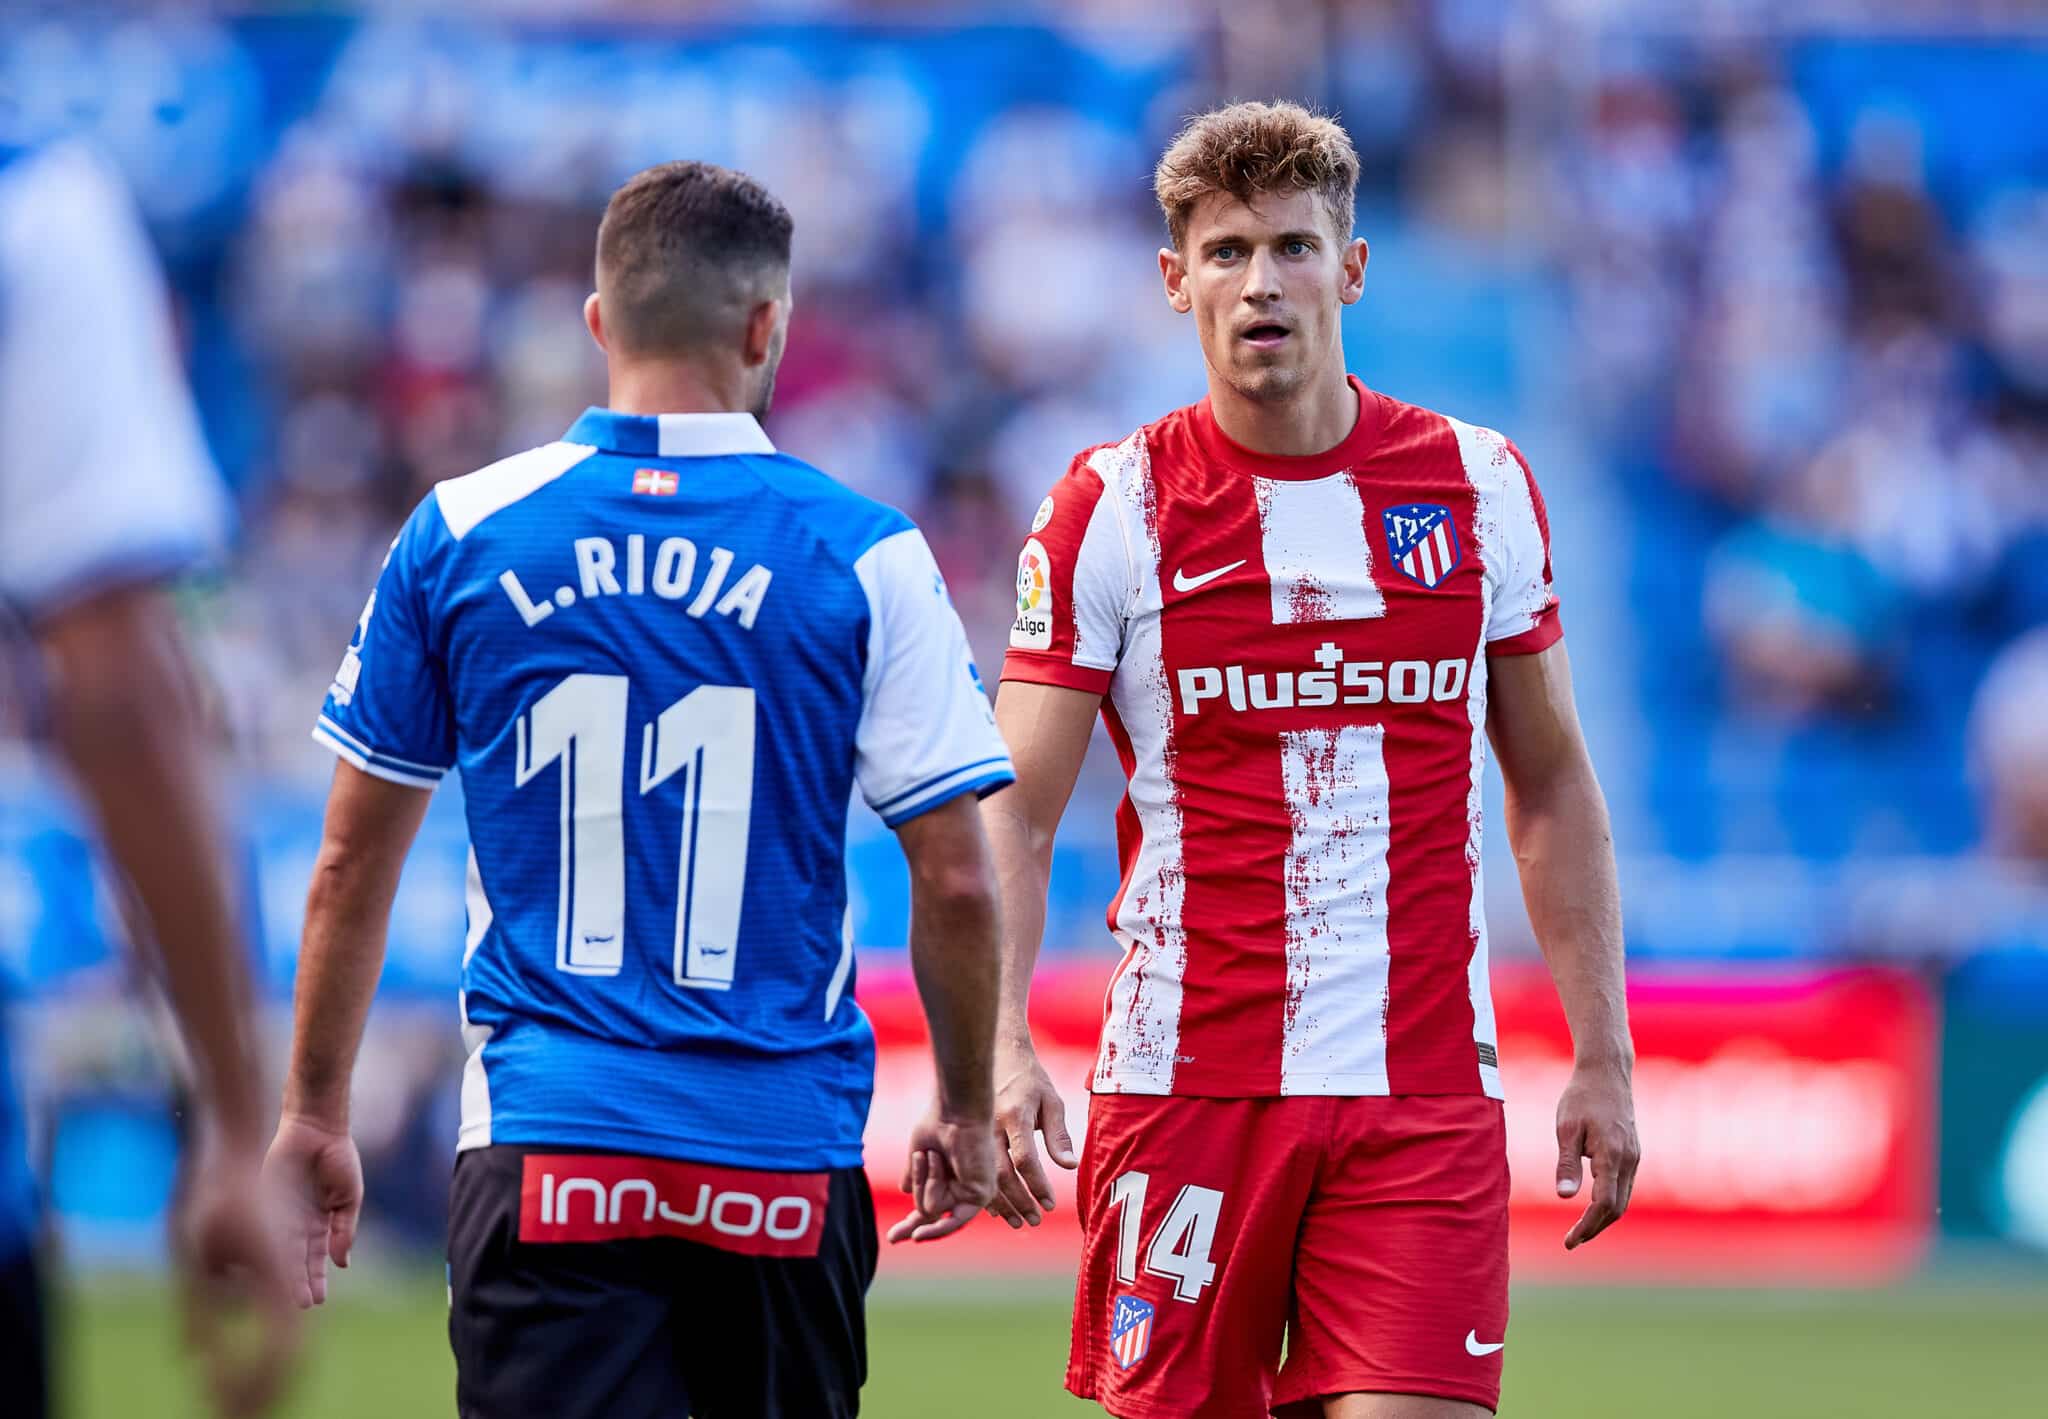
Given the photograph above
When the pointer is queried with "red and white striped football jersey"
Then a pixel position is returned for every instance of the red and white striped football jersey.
(1293, 657)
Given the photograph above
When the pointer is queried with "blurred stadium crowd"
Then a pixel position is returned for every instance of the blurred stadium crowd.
(1767, 306)
(1803, 333)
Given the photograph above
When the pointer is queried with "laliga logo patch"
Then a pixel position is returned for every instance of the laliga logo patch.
(1032, 630)
(1130, 1330)
(1424, 541)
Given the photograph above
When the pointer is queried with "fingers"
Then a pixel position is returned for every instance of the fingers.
(341, 1231)
(315, 1242)
(1615, 1153)
(1571, 1140)
(946, 1224)
(1019, 1175)
(936, 1195)
(1058, 1142)
(1013, 1202)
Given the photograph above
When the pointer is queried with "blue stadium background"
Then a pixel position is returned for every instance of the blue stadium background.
(1767, 308)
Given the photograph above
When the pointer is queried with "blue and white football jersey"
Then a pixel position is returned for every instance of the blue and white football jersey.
(105, 479)
(662, 655)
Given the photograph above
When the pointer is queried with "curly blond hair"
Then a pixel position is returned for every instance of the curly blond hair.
(1252, 148)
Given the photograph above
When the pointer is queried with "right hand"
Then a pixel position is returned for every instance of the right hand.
(237, 1279)
(950, 1175)
(1026, 1103)
(319, 1182)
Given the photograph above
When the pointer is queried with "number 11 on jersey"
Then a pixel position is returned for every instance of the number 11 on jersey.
(706, 737)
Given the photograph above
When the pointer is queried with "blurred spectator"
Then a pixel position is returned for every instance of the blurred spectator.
(2009, 749)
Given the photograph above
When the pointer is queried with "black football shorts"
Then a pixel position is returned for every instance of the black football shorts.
(607, 1286)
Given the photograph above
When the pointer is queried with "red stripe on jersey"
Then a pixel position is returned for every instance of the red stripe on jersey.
(1233, 804)
(1428, 751)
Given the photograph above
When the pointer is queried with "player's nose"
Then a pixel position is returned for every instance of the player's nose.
(1262, 277)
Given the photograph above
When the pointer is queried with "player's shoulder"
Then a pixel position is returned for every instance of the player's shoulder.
(846, 523)
(1487, 455)
(465, 503)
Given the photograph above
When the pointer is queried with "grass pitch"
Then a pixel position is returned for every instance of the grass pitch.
(997, 1350)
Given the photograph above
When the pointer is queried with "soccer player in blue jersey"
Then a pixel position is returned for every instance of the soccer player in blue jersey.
(106, 489)
(662, 656)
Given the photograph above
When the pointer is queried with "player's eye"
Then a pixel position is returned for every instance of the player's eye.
(1297, 248)
(1223, 253)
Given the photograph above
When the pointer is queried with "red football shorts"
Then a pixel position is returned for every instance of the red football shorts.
(1370, 1233)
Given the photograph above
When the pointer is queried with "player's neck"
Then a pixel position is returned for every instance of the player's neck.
(671, 387)
(1315, 421)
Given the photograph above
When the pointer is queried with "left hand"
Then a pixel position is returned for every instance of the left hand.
(1596, 1119)
(239, 1315)
(950, 1175)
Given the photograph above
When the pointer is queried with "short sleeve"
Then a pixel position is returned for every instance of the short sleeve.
(926, 732)
(1074, 587)
(388, 711)
(105, 477)
(1524, 618)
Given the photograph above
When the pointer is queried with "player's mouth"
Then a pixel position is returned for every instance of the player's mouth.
(1265, 334)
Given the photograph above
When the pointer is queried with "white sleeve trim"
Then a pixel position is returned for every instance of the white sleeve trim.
(381, 767)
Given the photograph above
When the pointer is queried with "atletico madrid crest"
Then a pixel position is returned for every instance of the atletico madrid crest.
(1424, 541)
(1130, 1330)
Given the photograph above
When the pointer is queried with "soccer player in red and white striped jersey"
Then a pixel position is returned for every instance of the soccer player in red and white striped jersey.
(1301, 607)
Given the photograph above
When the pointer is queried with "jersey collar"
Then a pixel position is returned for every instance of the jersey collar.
(670, 435)
(1357, 446)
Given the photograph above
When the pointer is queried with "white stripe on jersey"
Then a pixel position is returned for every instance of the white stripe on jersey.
(1100, 593)
(475, 1129)
(1334, 1025)
(1504, 523)
(1483, 452)
(1141, 1035)
(1312, 535)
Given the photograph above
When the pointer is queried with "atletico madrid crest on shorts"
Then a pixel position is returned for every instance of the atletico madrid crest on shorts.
(1130, 1330)
(1424, 540)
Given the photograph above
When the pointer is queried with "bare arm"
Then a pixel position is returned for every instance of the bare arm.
(127, 709)
(1047, 728)
(1557, 822)
(369, 829)
(951, 1169)
(128, 720)
(953, 950)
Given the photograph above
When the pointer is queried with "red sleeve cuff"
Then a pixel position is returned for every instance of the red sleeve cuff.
(1036, 669)
(1547, 632)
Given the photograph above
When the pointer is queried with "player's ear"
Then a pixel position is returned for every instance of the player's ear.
(760, 334)
(593, 319)
(1352, 286)
(1174, 271)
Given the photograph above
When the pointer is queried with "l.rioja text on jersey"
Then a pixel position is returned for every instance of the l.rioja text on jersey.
(671, 572)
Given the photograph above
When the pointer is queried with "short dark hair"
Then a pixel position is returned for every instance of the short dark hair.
(684, 251)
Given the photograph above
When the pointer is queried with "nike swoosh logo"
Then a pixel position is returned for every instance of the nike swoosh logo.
(1183, 582)
(1473, 1347)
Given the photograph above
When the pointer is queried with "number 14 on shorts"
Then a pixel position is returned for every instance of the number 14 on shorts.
(1180, 1248)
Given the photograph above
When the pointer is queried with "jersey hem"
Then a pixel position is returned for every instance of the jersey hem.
(1036, 670)
(1382, 1092)
(669, 1147)
(1547, 632)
